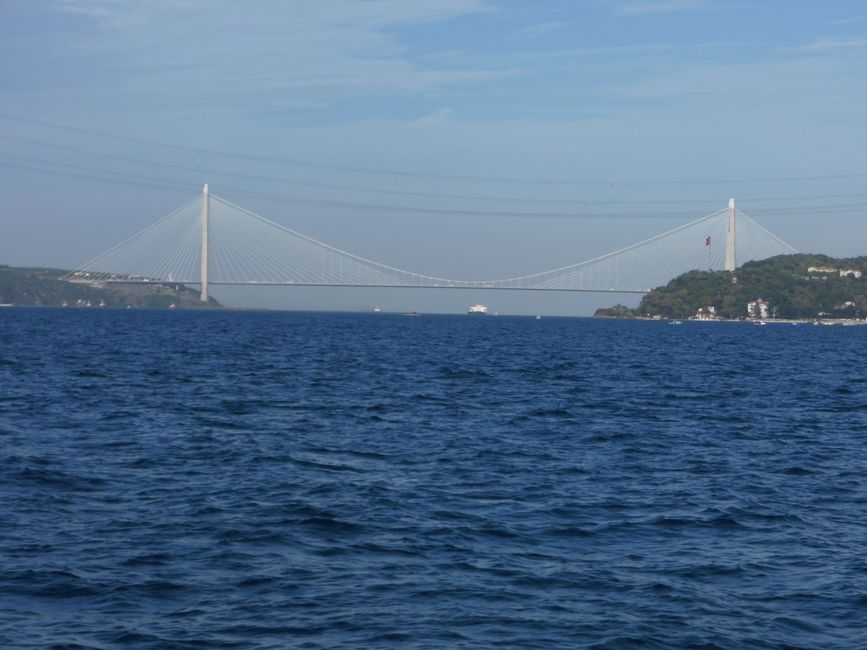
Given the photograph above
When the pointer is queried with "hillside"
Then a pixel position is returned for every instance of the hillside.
(789, 286)
(41, 287)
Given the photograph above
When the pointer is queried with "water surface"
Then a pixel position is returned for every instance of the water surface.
(270, 480)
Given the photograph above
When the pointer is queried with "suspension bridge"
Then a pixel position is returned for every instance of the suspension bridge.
(211, 241)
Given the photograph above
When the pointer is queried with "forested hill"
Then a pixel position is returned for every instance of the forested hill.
(42, 287)
(792, 286)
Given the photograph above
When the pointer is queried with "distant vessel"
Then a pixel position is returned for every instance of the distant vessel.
(376, 310)
(675, 322)
(479, 310)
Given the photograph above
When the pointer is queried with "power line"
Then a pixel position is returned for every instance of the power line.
(354, 188)
(76, 171)
(413, 174)
(89, 173)
(330, 186)
(101, 179)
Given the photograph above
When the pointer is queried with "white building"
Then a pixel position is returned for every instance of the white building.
(758, 308)
(705, 313)
(843, 273)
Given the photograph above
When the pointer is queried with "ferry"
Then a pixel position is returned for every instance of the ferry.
(478, 310)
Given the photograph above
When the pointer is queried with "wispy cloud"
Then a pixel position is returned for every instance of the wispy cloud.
(649, 7)
(437, 118)
(265, 53)
(371, 14)
(542, 29)
(848, 21)
(105, 13)
(831, 45)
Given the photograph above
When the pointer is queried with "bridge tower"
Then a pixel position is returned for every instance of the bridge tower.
(730, 238)
(204, 268)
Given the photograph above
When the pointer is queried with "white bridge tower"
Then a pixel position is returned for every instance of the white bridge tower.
(730, 238)
(204, 268)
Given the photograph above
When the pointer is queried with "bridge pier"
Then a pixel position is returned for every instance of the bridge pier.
(203, 296)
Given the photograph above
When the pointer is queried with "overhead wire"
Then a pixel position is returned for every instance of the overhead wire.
(416, 174)
(400, 192)
(89, 173)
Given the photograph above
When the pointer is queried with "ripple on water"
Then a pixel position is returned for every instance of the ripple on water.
(338, 480)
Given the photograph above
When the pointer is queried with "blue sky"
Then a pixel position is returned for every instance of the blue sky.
(661, 108)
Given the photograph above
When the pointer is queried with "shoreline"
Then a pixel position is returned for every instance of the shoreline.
(755, 321)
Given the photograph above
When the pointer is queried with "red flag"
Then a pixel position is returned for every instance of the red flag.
(707, 242)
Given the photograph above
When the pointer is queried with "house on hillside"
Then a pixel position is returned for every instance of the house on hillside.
(758, 308)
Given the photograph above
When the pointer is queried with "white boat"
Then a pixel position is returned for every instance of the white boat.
(478, 310)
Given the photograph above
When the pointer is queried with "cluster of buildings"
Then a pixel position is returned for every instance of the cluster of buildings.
(756, 309)
(706, 313)
(822, 272)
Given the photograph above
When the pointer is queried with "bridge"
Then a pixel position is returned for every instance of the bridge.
(211, 241)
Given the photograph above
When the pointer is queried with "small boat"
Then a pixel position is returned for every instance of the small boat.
(675, 322)
(477, 310)
(538, 317)
(376, 310)
(760, 322)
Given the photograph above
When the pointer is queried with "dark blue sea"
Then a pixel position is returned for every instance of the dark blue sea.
(304, 480)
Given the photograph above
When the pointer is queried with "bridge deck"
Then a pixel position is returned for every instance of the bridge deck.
(369, 286)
